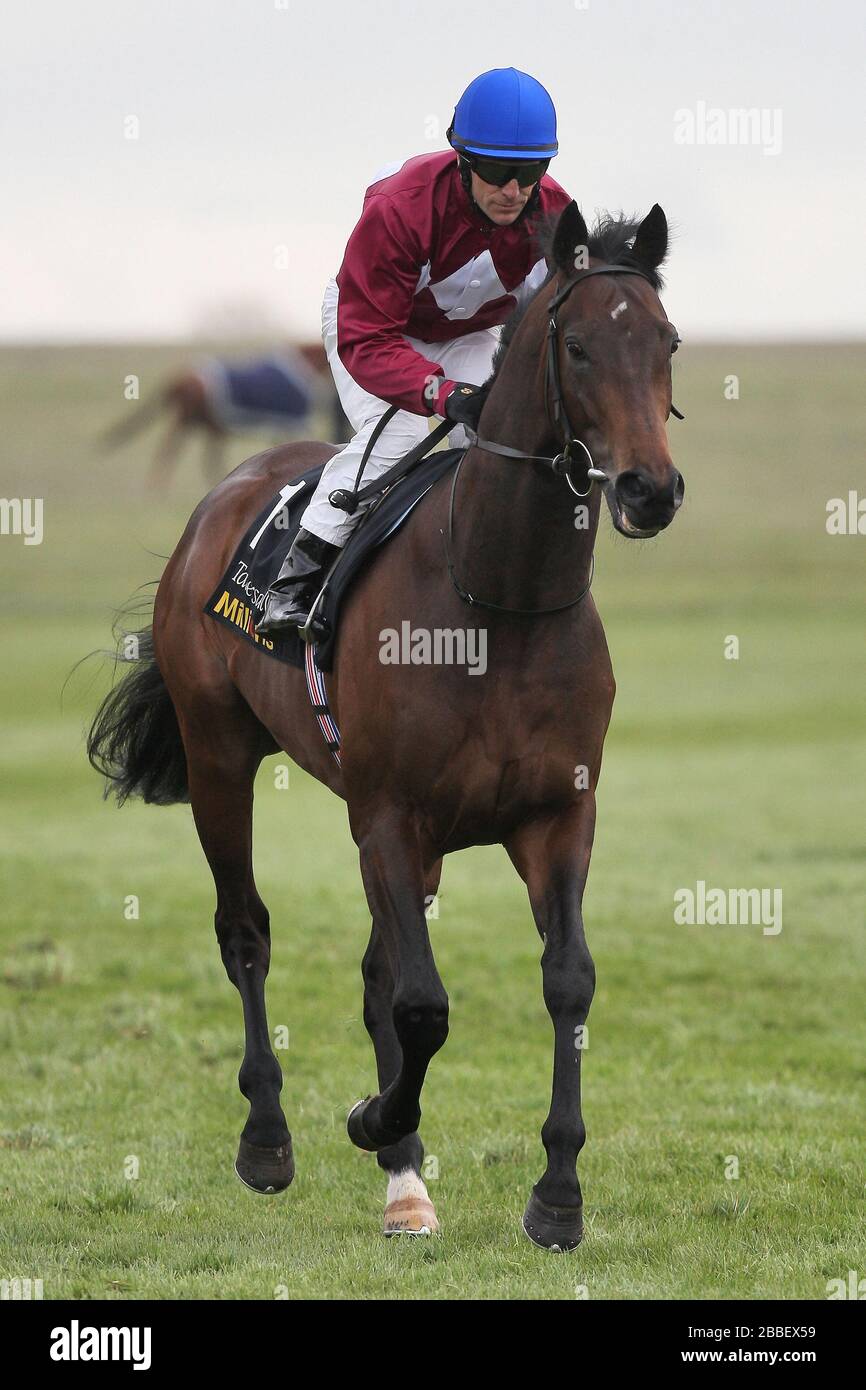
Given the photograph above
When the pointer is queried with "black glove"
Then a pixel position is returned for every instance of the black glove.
(463, 405)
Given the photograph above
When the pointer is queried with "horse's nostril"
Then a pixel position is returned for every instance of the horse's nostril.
(679, 490)
(633, 488)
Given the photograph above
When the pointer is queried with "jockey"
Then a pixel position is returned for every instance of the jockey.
(442, 254)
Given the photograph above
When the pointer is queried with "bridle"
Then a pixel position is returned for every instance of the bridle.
(554, 398)
(561, 463)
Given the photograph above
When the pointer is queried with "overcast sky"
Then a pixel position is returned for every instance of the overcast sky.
(260, 122)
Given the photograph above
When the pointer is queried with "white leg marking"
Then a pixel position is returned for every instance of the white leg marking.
(405, 1184)
(408, 1210)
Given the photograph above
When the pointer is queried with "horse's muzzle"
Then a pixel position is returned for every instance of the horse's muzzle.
(641, 506)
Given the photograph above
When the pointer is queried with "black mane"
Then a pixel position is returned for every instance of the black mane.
(610, 240)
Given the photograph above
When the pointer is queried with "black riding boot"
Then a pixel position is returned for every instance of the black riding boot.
(293, 592)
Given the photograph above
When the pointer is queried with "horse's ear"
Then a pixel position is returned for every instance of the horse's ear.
(571, 233)
(650, 245)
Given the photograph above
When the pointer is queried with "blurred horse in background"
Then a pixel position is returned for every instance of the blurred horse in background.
(278, 393)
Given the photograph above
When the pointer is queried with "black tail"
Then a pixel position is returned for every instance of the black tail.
(135, 740)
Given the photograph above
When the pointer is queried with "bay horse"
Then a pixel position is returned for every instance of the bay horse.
(432, 760)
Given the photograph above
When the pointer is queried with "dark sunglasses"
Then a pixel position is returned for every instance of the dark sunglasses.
(500, 172)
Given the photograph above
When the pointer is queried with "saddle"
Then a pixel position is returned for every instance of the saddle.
(239, 598)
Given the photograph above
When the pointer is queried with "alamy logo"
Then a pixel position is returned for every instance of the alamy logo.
(77, 1343)
(439, 646)
(732, 907)
(846, 517)
(20, 1290)
(738, 125)
(22, 516)
(855, 1287)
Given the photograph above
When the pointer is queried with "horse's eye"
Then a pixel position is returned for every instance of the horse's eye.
(674, 345)
(574, 349)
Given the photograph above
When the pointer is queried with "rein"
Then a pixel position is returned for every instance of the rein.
(474, 602)
(557, 415)
(348, 500)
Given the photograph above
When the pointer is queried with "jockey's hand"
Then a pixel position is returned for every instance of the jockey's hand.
(461, 403)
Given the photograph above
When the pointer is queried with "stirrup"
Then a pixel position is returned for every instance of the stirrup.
(315, 628)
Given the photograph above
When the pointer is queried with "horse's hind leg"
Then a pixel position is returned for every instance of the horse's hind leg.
(408, 1208)
(224, 746)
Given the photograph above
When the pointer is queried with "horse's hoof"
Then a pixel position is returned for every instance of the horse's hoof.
(355, 1125)
(553, 1228)
(410, 1216)
(265, 1170)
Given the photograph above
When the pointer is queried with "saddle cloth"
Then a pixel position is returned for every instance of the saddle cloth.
(239, 598)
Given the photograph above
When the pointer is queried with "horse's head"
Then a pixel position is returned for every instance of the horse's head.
(614, 344)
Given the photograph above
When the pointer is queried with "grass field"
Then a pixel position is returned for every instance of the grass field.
(120, 1039)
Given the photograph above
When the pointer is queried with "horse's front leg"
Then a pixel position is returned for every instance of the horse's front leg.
(552, 856)
(408, 1209)
(393, 869)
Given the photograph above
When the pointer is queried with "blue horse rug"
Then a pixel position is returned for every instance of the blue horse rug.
(273, 392)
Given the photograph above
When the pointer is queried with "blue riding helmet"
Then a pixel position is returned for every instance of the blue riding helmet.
(505, 114)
